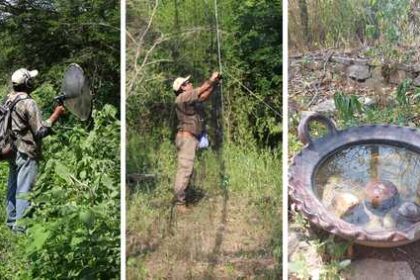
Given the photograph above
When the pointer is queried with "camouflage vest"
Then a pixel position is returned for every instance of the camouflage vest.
(190, 113)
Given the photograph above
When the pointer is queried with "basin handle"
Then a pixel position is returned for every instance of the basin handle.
(303, 128)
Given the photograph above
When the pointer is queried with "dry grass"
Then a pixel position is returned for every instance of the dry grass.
(234, 232)
(219, 239)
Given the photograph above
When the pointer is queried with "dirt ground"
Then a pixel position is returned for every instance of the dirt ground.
(221, 237)
(409, 253)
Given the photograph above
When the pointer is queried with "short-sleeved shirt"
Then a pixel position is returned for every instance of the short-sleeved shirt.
(27, 125)
(190, 112)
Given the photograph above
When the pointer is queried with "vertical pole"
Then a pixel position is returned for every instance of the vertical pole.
(224, 182)
(219, 55)
(219, 98)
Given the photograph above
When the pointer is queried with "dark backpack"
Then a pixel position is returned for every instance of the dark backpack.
(6, 133)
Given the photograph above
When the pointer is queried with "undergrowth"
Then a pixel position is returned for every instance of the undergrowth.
(251, 177)
(73, 230)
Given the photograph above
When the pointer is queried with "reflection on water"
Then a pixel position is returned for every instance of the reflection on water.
(340, 183)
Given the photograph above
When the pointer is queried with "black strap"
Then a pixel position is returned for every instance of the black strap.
(17, 99)
(12, 106)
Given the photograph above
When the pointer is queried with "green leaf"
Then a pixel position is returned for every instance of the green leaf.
(39, 236)
(63, 172)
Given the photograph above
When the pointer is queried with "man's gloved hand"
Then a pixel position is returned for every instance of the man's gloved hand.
(215, 77)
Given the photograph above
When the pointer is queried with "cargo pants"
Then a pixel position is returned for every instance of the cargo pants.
(186, 147)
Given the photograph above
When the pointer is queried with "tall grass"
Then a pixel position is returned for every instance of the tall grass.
(349, 24)
(251, 178)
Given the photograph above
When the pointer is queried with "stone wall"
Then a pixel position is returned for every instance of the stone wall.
(359, 69)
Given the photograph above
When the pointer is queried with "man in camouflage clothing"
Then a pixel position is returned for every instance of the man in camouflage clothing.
(191, 126)
(28, 131)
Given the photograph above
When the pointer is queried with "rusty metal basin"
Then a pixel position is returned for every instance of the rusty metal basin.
(317, 151)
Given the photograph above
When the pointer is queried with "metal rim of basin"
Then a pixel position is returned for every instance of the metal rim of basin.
(316, 151)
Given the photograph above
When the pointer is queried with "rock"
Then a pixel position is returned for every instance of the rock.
(397, 77)
(377, 74)
(338, 68)
(358, 72)
(381, 194)
(374, 269)
(326, 107)
(362, 61)
(404, 67)
(343, 202)
(416, 68)
(357, 215)
(342, 60)
(410, 211)
(416, 81)
(367, 101)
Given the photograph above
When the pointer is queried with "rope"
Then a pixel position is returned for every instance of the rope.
(219, 57)
(254, 94)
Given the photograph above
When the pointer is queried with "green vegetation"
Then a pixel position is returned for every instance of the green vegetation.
(390, 27)
(350, 111)
(73, 229)
(347, 106)
(235, 229)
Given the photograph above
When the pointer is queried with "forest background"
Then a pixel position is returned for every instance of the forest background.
(235, 229)
(73, 232)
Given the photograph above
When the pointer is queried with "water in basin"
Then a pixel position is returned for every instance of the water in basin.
(376, 186)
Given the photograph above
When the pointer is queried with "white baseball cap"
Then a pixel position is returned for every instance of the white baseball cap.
(22, 75)
(179, 81)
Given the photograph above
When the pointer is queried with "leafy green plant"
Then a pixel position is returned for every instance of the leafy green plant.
(401, 92)
(332, 270)
(417, 95)
(299, 268)
(76, 205)
(347, 106)
(73, 226)
(73, 229)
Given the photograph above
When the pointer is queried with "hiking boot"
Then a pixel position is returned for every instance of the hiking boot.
(194, 195)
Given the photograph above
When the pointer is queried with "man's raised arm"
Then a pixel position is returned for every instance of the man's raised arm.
(205, 90)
